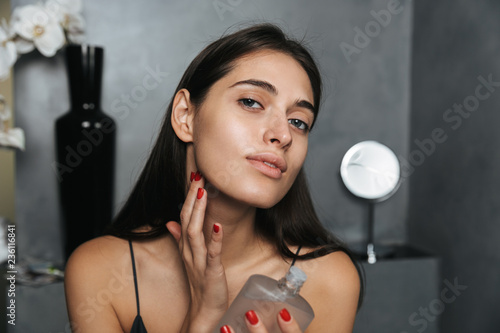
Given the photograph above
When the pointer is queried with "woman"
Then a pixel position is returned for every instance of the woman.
(222, 197)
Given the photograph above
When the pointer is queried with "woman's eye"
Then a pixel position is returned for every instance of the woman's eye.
(299, 124)
(250, 103)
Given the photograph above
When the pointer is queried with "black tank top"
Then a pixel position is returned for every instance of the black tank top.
(138, 325)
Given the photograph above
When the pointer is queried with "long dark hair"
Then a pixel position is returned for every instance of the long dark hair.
(160, 190)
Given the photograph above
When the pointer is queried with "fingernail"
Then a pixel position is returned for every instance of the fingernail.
(192, 177)
(216, 228)
(285, 315)
(200, 193)
(225, 329)
(252, 317)
(197, 176)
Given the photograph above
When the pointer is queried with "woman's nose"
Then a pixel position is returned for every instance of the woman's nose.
(278, 132)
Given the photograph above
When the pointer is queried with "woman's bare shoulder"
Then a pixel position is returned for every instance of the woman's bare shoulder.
(98, 251)
(95, 259)
(335, 265)
(332, 288)
(333, 270)
(97, 272)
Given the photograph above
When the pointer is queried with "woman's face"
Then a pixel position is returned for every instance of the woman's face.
(250, 134)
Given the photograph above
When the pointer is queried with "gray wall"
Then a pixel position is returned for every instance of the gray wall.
(366, 97)
(454, 196)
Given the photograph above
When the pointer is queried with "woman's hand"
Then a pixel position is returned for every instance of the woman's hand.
(201, 256)
(286, 323)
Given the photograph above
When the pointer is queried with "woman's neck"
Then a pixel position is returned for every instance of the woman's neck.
(240, 242)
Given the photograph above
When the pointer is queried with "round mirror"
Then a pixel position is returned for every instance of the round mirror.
(370, 171)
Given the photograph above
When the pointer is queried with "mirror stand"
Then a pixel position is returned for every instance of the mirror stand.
(370, 247)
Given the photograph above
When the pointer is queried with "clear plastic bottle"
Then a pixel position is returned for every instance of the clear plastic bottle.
(267, 297)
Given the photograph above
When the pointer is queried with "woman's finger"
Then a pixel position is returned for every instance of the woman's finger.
(226, 329)
(214, 249)
(287, 323)
(186, 216)
(175, 230)
(195, 235)
(189, 202)
(254, 322)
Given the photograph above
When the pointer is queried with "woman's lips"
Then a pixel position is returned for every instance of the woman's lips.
(269, 164)
(266, 169)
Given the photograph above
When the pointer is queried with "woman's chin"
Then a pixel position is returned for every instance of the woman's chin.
(262, 202)
(264, 206)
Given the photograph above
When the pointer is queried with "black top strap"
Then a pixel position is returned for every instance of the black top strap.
(135, 278)
(297, 253)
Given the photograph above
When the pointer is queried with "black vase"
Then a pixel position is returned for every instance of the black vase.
(85, 145)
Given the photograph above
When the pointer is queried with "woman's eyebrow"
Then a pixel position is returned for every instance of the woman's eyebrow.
(272, 89)
(306, 105)
(258, 83)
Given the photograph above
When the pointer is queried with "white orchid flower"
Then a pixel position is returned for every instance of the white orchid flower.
(67, 13)
(34, 23)
(13, 137)
(8, 54)
(22, 45)
(9, 137)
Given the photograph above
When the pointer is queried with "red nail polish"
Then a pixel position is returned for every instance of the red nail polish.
(216, 228)
(225, 329)
(192, 177)
(197, 176)
(285, 315)
(200, 193)
(252, 317)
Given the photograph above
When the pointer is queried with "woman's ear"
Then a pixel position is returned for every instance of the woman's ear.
(182, 116)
